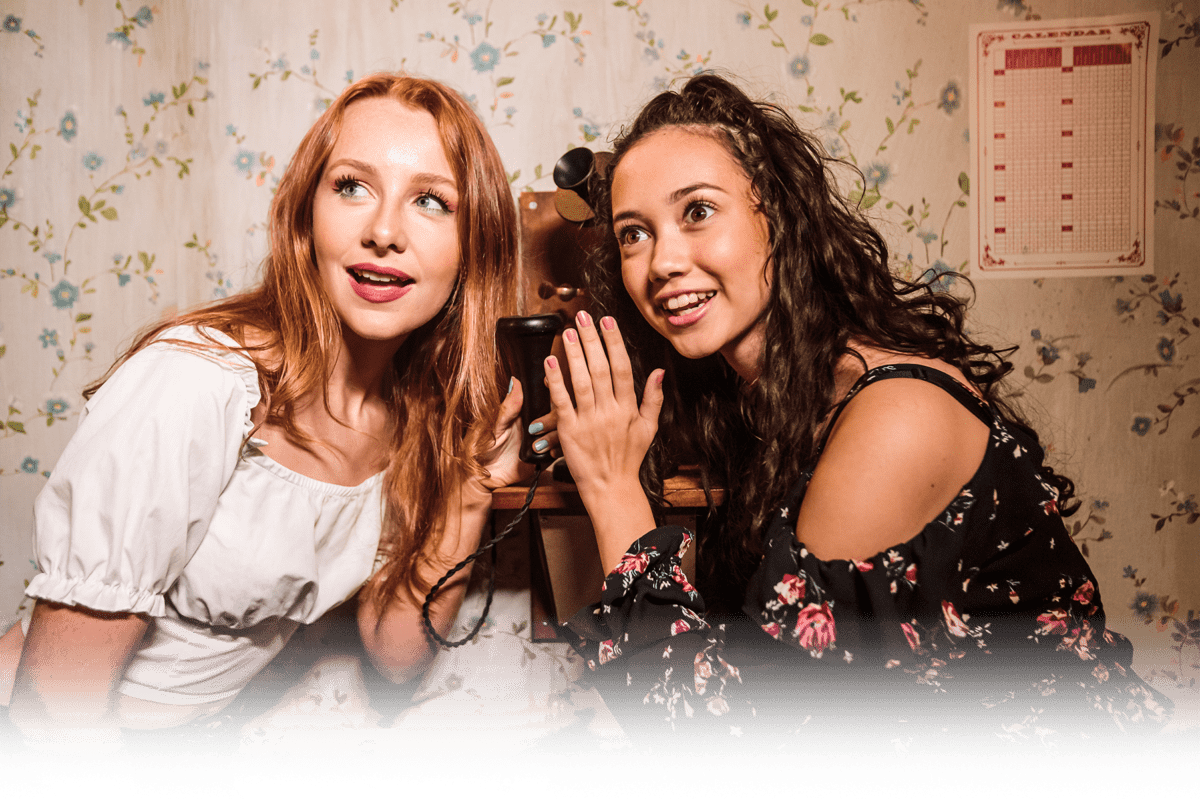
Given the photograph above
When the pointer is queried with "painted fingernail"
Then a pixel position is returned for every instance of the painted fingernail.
(660, 377)
(571, 336)
(536, 428)
(608, 323)
(541, 446)
(510, 384)
(583, 319)
(551, 362)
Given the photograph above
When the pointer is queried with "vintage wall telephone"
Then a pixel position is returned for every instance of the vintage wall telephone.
(524, 343)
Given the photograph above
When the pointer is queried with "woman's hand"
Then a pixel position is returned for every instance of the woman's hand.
(605, 434)
(502, 459)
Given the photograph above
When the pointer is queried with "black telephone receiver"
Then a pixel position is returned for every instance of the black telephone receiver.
(524, 342)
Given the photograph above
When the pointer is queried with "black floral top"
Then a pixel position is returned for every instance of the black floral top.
(989, 620)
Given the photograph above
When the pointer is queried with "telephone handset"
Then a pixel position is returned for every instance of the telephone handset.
(524, 343)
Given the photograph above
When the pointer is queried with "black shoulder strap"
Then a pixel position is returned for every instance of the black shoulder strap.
(972, 403)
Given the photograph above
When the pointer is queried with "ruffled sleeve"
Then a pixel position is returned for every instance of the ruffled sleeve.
(131, 497)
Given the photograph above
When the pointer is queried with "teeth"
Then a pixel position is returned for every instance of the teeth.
(686, 300)
(374, 277)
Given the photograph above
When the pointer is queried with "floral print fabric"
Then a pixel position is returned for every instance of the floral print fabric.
(990, 613)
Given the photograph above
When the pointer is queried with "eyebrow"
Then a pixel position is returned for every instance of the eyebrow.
(672, 199)
(421, 177)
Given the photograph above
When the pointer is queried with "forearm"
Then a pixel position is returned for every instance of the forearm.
(620, 514)
(71, 663)
(393, 630)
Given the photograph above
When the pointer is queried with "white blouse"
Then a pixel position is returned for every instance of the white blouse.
(156, 507)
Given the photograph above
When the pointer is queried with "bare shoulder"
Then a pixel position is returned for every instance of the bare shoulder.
(899, 453)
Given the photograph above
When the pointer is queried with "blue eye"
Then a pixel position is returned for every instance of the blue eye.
(434, 203)
(349, 187)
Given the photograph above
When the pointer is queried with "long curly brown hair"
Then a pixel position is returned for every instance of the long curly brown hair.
(445, 377)
(830, 285)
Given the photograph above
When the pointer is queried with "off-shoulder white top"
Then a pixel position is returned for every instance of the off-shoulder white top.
(157, 507)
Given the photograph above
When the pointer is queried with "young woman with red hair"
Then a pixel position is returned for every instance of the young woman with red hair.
(251, 464)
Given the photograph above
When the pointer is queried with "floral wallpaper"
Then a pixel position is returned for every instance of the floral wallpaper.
(144, 142)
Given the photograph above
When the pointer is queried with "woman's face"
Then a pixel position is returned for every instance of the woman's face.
(693, 245)
(384, 226)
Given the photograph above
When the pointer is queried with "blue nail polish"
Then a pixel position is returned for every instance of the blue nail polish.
(536, 428)
(541, 446)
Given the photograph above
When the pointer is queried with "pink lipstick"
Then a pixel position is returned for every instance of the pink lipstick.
(378, 284)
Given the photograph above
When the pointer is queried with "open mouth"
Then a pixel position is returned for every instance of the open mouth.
(367, 278)
(684, 304)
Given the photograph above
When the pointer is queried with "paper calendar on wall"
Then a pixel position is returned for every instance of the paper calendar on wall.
(1062, 125)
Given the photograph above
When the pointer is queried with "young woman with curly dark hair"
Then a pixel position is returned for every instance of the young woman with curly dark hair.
(890, 526)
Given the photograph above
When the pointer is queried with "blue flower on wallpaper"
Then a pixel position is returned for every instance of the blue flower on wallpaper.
(314, 55)
(49, 338)
(122, 279)
(485, 57)
(1172, 303)
(510, 111)
(799, 66)
(64, 294)
(951, 98)
(119, 37)
(230, 130)
(1141, 425)
(543, 17)
(1123, 306)
(144, 16)
(939, 276)
(160, 147)
(279, 63)
(139, 152)
(93, 161)
(57, 406)
(1049, 353)
(927, 236)
(154, 98)
(244, 161)
(744, 19)
(29, 466)
(68, 126)
(806, 20)
(1144, 605)
(52, 257)
(119, 188)
(1086, 384)
(12, 24)
(349, 76)
(474, 19)
(1017, 7)
(1166, 349)
(548, 39)
(8, 198)
(877, 173)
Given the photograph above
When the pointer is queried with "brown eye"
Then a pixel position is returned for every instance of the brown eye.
(697, 212)
(629, 235)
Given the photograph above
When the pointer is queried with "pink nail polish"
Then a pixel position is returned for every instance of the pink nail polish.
(571, 336)
(609, 323)
(551, 362)
(583, 319)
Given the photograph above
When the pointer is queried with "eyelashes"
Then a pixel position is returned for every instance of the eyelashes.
(694, 213)
(428, 200)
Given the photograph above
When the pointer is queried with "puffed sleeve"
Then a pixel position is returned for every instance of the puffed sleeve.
(131, 497)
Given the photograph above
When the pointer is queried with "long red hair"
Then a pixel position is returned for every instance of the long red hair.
(447, 376)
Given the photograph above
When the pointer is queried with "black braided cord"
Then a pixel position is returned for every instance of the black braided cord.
(491, 575)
